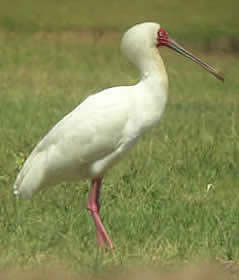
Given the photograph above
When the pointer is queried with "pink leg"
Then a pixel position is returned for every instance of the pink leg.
(94, 208)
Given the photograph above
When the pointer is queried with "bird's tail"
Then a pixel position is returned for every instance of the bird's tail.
(30, 178)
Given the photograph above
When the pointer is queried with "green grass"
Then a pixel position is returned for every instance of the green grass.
(155, 203)
(191, 20)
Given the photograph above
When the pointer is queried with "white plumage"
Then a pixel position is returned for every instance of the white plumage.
(86, 142)
(93, 136)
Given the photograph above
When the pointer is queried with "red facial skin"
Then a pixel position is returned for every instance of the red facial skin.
(162, 39)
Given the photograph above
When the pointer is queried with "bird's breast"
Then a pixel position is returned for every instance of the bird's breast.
(151, 103)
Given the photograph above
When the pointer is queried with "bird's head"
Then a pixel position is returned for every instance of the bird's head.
(139, 40)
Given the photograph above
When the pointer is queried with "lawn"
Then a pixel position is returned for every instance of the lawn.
(190, 19)
(156, 203)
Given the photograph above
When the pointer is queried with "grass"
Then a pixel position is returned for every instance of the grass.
(193, 20)
(155, 203)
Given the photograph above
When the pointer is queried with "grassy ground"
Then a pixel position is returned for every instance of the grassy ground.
(192, 19)
(155, 203)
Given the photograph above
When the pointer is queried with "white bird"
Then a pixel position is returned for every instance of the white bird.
(97, 133)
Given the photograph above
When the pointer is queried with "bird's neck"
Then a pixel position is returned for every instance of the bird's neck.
(153, 71)
(153, 89)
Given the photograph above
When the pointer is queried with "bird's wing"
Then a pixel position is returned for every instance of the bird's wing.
(89, 133)
(93, 129)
